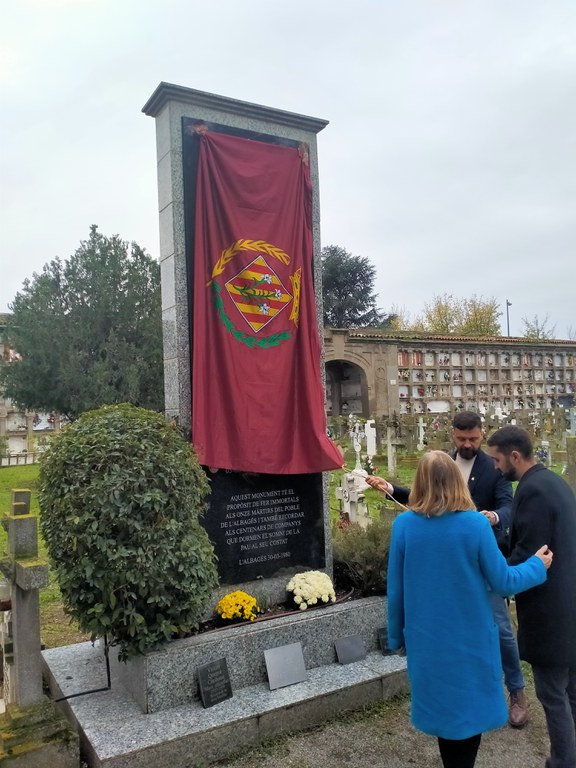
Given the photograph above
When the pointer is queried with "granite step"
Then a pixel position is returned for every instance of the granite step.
(115, 733)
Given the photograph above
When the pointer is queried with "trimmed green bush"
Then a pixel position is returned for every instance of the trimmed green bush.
(120, 494)
(361, 557)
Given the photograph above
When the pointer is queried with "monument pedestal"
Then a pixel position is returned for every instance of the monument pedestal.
(116, 733)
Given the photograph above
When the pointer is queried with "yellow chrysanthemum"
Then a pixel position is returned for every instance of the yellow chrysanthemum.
(238, 605)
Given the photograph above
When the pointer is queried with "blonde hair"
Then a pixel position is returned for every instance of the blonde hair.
(439, 486)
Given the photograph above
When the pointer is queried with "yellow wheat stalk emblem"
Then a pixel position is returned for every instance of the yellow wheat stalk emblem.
(295, 279)
(246, 245)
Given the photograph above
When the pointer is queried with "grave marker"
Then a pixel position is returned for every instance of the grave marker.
(32, 732)
(214, 683)
(350, 648)
(285, 665)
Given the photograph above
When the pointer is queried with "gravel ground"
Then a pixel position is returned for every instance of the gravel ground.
(383, 736)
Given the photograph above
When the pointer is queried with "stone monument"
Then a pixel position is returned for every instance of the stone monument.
(262, 525)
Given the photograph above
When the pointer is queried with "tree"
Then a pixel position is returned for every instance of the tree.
(400, 318)
(88, 331)
(348, 291)
(538, 329)
(475, 316)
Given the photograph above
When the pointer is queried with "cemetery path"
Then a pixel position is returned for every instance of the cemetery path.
(383, 736)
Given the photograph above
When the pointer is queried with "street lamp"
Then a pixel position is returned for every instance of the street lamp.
(508, 304)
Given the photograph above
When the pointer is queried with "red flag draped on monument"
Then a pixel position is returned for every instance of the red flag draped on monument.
(257, 398)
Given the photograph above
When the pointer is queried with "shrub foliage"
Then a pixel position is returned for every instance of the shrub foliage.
(361, 557)
(120, 494)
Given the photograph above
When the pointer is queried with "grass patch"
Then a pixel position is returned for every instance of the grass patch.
(378, 713)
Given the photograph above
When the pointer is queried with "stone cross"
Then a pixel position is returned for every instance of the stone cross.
(421, 433)
(358, 450)
(353, 501)
(21, 634)
(370, 432)
(391, 451)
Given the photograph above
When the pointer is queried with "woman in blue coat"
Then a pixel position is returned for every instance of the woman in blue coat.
(443, 556)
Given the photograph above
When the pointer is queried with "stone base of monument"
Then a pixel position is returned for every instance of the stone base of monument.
(152, 716)
(36, 737)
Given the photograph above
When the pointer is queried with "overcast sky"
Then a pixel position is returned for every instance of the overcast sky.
(449, 160)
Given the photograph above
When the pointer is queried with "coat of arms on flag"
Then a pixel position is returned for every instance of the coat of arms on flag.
(256, 291)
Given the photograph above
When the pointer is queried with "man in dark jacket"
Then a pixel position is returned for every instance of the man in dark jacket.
(492, 495)
(544, 511)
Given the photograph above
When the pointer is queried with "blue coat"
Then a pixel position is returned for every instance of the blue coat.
(438, 608)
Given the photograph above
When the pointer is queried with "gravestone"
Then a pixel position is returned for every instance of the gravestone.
(392, 444)
(263, 525)
(353, 501)
(285, 665)
(32, 732)
(22, 669)
(383, 641)
(349, 649)
(371, 444)
(214, 683)
(421, 434)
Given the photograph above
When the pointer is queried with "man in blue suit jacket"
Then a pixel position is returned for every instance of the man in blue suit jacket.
(492, 495)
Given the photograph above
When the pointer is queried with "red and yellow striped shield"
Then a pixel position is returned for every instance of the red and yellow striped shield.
(258, 293)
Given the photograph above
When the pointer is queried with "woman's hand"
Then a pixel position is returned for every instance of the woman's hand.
(545, 555)
(377, 482)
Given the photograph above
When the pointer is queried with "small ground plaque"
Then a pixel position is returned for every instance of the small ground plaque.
(350, 648)
(285, 665)
(383, 638)
(214, 682)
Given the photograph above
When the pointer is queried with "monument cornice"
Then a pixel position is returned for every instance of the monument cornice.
(166, 92)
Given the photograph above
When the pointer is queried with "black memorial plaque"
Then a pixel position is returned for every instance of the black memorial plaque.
(262, 524)
(285, 665)
(214, 682)
(383, 640)
(350, 648)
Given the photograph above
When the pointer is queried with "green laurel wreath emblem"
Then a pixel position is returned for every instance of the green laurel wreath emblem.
(263, 342)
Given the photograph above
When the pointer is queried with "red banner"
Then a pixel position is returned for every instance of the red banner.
(257, 399)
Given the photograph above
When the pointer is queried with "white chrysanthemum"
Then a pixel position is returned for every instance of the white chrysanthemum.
(310, 587)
